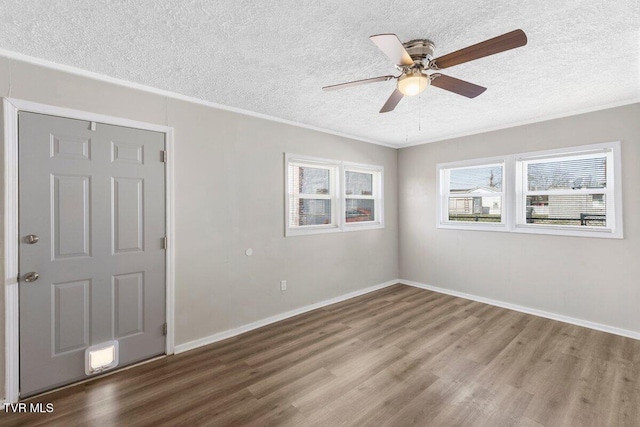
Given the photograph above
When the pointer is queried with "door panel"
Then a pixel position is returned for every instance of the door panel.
(70, 320)
(69, 147)
(122, 152)
(97, 205)
(71, 216)
(128, 304)
(128, 218)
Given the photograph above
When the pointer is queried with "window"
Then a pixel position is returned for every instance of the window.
(572, 192)
(317, 190)
(312, 191)
(473, 194)
(362, 196)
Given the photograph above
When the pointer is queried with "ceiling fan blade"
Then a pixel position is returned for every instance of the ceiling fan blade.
(489, 47)
(456, 85)
(391, 103)
(359, 82)
(391, 45)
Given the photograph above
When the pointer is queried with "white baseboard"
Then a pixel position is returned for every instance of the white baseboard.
(553, 316)
(180, 348)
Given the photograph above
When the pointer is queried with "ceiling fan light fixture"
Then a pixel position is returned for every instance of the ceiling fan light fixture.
(413, 83)
(416, 57)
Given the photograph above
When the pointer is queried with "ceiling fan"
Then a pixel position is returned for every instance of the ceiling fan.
(415, 57)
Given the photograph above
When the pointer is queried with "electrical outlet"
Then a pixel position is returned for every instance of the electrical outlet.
(283, 285)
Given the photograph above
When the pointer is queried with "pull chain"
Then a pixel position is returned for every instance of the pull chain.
(406, 126)
(420, 112)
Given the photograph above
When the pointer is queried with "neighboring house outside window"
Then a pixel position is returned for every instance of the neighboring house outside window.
(567, 190)
(571, 191)
(472, 195)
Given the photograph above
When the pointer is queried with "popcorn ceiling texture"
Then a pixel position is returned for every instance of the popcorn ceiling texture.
(274, 57)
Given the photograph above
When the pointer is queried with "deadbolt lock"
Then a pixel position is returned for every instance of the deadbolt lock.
(31, 277)
(31, 239)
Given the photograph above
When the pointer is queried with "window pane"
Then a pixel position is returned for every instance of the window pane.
(475, 179)
(308, 180)
(583, 210)
(358, 183)
(568, 174)
(475, 209)
(358, 210)
(309, 212)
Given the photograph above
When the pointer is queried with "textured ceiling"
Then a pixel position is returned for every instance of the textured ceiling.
(273, 57)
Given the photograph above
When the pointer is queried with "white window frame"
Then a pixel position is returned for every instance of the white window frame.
(613, 191)
(442, 184)
(336, 195)
(514, 193)
(377, 180)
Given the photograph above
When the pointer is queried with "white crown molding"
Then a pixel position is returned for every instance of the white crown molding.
(104, 78)
(180, 348)
(523, 122)
(528, 310)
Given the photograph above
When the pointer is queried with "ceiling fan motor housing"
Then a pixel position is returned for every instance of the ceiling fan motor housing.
(420, 50)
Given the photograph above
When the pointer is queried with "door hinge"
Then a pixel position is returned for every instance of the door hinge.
(164, 242)
(163, 156)
(164, 329)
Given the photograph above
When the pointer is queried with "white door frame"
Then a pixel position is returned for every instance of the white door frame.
(11, 239)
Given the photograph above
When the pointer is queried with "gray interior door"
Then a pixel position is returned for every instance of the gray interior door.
(95, 199)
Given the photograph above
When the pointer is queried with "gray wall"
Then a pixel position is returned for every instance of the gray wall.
(228, 165)
(591, 279)
(229, 196)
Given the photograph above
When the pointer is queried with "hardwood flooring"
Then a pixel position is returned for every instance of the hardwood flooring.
(396, 357)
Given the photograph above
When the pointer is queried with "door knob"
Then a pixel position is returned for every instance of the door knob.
(31, 277)
(31, 239)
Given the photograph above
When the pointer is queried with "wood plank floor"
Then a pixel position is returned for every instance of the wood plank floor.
(396, 357)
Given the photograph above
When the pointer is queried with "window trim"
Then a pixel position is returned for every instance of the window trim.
(514, 194)
(442, 203)
(336, 195)
(613, 191)
(377, 177)
(334, 177)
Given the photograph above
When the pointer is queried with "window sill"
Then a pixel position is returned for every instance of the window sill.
(362, 226)
(289, 232)
(473, 226)
(603, 233)
(541, 230)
